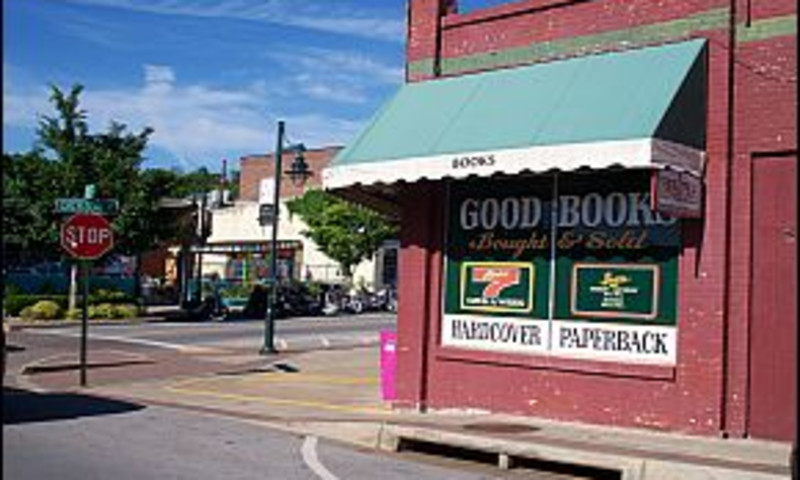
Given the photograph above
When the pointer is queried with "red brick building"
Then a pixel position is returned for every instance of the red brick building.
(598, 209)
(254, 168)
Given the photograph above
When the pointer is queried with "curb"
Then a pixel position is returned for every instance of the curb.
(632, 464)
(15, 323)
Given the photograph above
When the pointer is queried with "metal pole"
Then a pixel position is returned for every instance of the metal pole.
(84, 321)
(269, 321)
(203, 226)
(551, 303)
(89, 192)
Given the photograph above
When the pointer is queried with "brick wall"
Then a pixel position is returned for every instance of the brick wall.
(705, 393)
(765, 106)
(255, 167)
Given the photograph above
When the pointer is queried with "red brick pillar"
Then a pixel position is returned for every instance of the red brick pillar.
(419, 290)
(424, 37)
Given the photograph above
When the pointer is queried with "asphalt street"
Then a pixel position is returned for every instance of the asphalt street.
(158, 405)
(74, 436)
(290, 334)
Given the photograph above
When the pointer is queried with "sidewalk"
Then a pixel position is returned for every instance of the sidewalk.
(335, 394)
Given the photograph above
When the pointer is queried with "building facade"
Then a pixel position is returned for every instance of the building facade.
(239, 245)
(598, 211)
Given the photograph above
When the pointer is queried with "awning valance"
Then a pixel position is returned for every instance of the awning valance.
(640, 108)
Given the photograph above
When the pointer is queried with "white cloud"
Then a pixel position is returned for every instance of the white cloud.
(334, 75)
(319, 15)
(328, 61)
(322, 90)
(22, 110)
(158, 75)
(195, 123)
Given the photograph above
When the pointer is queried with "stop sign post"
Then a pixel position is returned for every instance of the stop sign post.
(87, 236)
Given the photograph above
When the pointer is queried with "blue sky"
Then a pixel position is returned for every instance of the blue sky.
(212, 77)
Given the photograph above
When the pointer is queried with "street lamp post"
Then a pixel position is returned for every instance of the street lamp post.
(298, 173)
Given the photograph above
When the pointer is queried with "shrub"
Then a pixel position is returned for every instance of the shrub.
(42, 310)
(101, 311)
(125, 311)
(235, 291)
(315, 288)
(12, 289)
(110, 296)
(74, 314)
(14, 304)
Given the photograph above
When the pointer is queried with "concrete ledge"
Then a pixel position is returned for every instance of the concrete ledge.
(630, 468)
(642, 465)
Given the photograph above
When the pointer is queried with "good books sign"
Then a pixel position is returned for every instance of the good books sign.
(590, 272)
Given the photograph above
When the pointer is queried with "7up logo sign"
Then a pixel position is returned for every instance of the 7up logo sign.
(497, 279)
(497, 286)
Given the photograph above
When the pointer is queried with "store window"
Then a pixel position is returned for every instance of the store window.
(389, 267)
(573, 265)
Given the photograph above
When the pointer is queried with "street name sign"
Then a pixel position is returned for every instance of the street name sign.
(104, 206)
(87, 236)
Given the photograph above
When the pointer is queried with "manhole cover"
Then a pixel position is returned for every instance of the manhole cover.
(500, 428)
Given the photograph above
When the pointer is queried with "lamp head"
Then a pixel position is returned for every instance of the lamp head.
(299, 171)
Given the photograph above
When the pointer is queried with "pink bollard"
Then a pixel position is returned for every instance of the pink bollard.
(388, 363)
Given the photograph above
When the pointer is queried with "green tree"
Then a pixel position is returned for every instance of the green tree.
(346, 232)
(188, 184)
(111, 160)
(31, 183)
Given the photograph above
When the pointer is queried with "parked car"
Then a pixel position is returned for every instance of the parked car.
(338, 300)
(293, 299)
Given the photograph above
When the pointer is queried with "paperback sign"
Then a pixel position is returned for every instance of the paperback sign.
(614, 342)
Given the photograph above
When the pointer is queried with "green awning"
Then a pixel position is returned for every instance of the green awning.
(641, 108)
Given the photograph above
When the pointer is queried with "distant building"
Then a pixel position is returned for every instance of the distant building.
(240, 245)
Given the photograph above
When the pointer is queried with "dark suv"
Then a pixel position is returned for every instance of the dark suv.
(294, 299)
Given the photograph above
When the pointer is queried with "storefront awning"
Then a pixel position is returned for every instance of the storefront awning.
(640, 108)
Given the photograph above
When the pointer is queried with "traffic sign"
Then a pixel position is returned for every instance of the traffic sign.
(266, 214)
(105, 206)
(86, 236)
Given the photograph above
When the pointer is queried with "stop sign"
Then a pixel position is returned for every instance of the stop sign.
(86, 236)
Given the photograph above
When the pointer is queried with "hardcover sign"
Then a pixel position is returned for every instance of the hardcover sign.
(590, 272)
(503, 334)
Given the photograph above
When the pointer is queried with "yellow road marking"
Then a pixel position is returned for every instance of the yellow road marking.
(331, 379)
(293, 378)
(280, 401)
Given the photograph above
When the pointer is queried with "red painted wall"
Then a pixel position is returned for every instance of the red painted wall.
(706, 391)
(773, 324)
